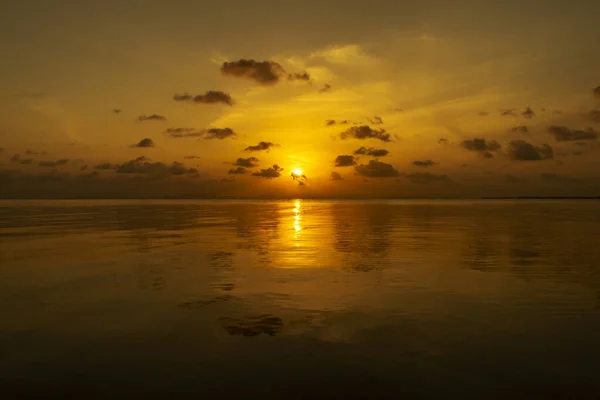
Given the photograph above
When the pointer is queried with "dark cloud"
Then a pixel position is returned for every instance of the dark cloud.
(443, 141)
(261, 146)
(528, 113)
(146, 142)
(520, 129)
(365, 132)
(485, 147)
(345, 161)
(596, 92)
(106, 166)
(331, 122)
(326, 88)
(426, 177)
(263, 72)
(424, 163)
(183, 97)
(564, 134)
(376, 120)
(192, 157)
(373, 152)
(219, 133)
(54, 164)
(183, 132)
(335, 176)
(143, 165)
(18, 160)
(238, 171)
(210, 97)
(508, 112)
(246, 162)
(300, 178)
(593, 116)
(269, 173)
(376, 169)
(153, 117)
(520, 150)
(302, 76)
(117, 110)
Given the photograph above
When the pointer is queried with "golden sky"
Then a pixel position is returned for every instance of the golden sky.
(360, 98)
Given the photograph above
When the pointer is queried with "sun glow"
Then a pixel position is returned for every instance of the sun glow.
(298, 171)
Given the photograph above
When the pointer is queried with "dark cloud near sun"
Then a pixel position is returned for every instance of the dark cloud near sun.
(210, 97)
(336, 176)
(261, 146)
(219, 133)
(376, 169)
(153, 117)
(345, 161)
(564, 134)
(480, 145)
(376, 120)
(55, 163)
(269, 173)
(371, 151)
(249, 162)
(146, 142)
(263, 72)
(424, 163)
(142, 165)
(238, 171)
(520, 150)
(326, 88)
(365, 132)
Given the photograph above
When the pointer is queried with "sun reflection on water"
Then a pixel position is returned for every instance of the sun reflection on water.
(297, 221)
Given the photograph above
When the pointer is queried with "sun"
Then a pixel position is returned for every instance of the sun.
(297, 171)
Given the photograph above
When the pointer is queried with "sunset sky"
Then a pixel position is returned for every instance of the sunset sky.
(299, 99)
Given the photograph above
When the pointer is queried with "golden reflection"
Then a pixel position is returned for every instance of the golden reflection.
(297, 221)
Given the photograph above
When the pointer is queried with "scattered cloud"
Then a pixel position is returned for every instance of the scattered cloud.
(521, 150)
(263, 72)
(376, 120)
(238, 171)
(528, 113)
(564, 134)
(53, 164)
(426, 177)
(106, 166)
(336, 176)
(261, 146)
(326, 88)
(300, 178)
(302, 76)
(246, 162)
(480, 145)
(143, 165)
(331, 122)
(183, 132)
(117, 111)
(210, 97)
(443, 141)
(376, 169)
(371, 151)
(424, 163)
(269, 173)
(219, 133)
(192, 157)
(365, 132)
(146, 142)
(18, 160)
(153, 117)
(345, 161)
(508, 112)
(520, 129)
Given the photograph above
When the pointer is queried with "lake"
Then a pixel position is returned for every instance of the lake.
(300, 299)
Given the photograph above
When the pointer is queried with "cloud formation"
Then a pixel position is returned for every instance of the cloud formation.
(424, 163)
(376, 120)
(508, 112)
(117, 111)
(336, 176)
(331, 122)
(371, 151)
(261, 146)
(345, 161)
(443, 141)
(153, 117)
(210, 97)
(53, 164)
(18, 160)
(238, 171)
(263, 72)
(365, 132)
(302, 76)
(246, 162)
(183, 132)
(146, 142)
(521, 150)
(596, 92)
(219, 133)
(269, 173)
(528, 113)
(520, 129)
(480, 145)
(106, 166)
(564, 134)
(376, 169)
(326, 88)
(143, 165)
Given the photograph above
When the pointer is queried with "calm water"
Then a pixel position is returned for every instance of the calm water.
(300, 299)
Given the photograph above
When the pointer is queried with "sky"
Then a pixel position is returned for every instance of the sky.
(311, 99)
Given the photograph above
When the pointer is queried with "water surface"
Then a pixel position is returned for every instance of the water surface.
(300, 299)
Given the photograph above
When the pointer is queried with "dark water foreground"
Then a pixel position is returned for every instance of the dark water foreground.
(438, 299)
